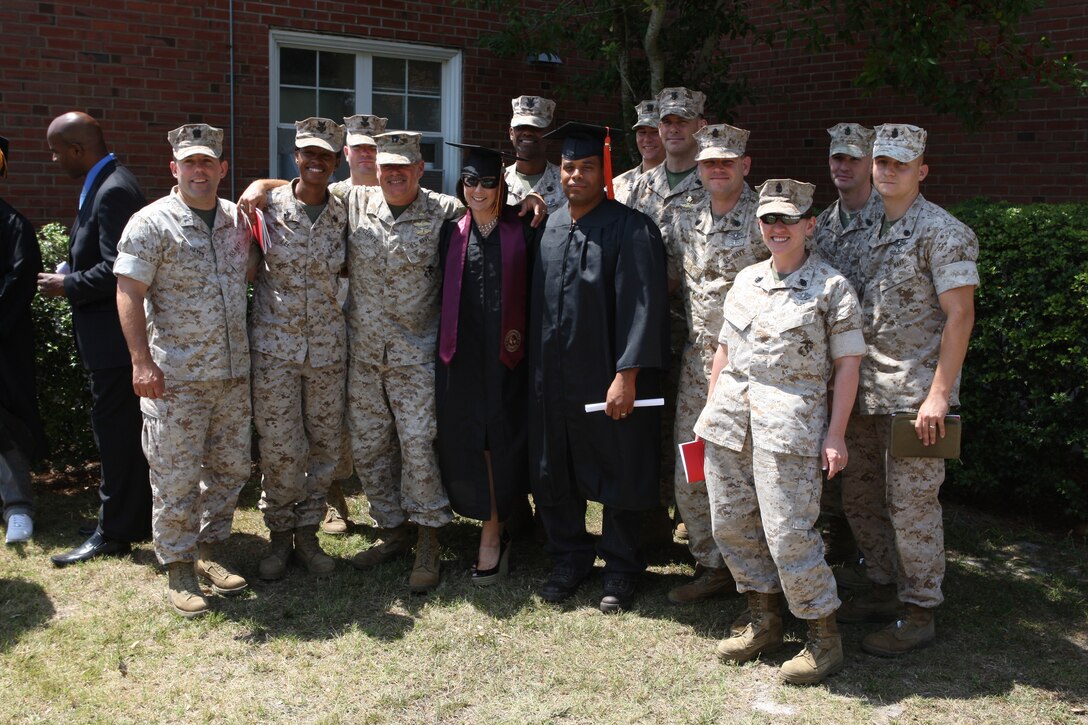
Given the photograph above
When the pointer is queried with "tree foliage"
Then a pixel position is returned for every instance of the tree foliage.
(967, 58)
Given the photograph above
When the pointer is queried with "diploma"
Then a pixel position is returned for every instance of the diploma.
(647, 403)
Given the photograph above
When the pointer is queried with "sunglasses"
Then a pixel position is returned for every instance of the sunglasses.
(786, 219)
(488, 182)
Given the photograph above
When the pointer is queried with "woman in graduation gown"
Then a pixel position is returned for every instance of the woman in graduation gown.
(481, 376)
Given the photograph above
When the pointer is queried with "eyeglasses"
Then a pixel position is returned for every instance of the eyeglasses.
(787, 219)
(488, 182)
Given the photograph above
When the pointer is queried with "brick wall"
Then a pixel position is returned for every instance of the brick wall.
(143, 68)
(1039, 153)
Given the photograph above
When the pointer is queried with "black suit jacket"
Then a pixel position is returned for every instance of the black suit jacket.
(91, 287)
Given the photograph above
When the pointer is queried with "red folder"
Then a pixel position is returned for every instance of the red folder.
(691, 453)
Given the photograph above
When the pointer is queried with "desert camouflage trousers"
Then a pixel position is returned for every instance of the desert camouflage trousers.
(691, 498)
(763, 507)
(386, 406)
(893, 510)
(197, 441)
(298, 411)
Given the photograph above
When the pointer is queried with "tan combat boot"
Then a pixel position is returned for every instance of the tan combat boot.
(336, 512)
(743, 620)
(914, 631)
(183, 593)
(274, 563)
(426, 570)
(392, 543)
(706, 584)
(821, 656)
(879, 604)
(762, 634)
(310, 554)
(224, 581)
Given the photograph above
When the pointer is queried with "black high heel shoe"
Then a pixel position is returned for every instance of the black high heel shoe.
(487, 577)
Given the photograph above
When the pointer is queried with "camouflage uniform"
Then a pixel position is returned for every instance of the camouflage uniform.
(841, 247)
(652, 196)
(892, 502)
(712, 253)
(623, 184)
(549, 187)
(393, 308)
(196, 437)
(298, 338)
(765, 424)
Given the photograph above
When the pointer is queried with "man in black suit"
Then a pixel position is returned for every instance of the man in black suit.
(109, 197)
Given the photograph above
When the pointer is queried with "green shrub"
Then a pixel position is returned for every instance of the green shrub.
(62, 384)
(1025, 381)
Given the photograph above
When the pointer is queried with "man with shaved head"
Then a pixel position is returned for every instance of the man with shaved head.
(110, 195)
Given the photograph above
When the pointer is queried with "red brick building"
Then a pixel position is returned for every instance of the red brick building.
(252, 67)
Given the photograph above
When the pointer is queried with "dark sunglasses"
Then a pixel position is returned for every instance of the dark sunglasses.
(786, 219)
(488, 182)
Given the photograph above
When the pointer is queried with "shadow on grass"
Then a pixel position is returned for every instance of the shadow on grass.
(25, 607)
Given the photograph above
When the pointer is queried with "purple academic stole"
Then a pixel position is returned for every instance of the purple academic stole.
(513, 289)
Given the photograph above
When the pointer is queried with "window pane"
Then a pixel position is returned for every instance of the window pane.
(424, 77)
(336, 70)
(335, 104)
(285, 152)
(432, 180)
(296, 104)
(428, 149)
(298, 67)
(425, 114)
(392, 107)
(388, 74)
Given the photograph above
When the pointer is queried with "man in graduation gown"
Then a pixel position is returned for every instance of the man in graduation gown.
(598, 332)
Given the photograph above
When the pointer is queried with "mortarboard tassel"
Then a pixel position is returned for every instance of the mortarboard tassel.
(608, 163)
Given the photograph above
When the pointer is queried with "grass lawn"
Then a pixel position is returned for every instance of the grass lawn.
(95, 642)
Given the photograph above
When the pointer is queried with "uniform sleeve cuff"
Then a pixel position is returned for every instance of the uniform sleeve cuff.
(128, 265)
(844, 344)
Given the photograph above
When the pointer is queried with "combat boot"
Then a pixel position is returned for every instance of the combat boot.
(852, 576)
(762, 634)
(224, 581)
(183, 593)
(914, 631)
(336, 511)
(425, 572)
(706, 584)
(274, 564)
(309, 552)
(821, 656)
(742, 621)
(879, 604)
(393, 542)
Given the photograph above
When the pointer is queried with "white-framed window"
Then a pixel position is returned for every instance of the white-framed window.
(417, 87)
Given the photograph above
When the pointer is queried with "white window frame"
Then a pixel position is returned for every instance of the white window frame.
(364, 48)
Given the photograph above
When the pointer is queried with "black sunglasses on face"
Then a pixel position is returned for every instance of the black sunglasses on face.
(786, 219)
(488, 182)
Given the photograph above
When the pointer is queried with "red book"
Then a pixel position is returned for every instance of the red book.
(692, 454)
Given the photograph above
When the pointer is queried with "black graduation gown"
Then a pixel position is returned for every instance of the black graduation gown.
(480, 402)
(599, 304)
(20, 262)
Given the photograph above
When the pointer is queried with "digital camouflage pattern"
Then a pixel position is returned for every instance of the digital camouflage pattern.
(549, 187)
(652, 196)
(782, 338)
(387, 404)
(298, 411)
(298, 335)
(623, 184)
(894, 512)
(841, 246)
(713, 253)
(196, 300)
(922, 255)
(295, 310)
(196, 439)
(764, 506)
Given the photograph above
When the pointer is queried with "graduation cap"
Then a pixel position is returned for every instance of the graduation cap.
(581, 140)
(481, 160)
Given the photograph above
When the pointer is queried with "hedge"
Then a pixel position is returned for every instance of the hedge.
(1023, 395)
